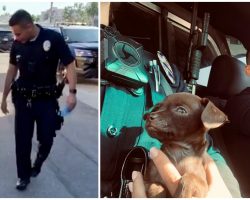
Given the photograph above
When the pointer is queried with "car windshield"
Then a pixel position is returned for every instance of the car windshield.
(7, 34)
(54, 29)
(81, 35)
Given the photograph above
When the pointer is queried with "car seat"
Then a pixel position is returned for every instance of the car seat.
(227, 79)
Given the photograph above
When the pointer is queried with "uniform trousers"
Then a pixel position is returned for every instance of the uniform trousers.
(42, 113)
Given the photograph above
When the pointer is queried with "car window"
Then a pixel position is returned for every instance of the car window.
(204, 75)
(6, 34)
(237, 50)
(80, 35)
(236, 47)
(181, 33)
(242, 59)
(181, 45)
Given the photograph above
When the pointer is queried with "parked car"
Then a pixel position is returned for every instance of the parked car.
(83, 44)
(166, 27)
(6, 39)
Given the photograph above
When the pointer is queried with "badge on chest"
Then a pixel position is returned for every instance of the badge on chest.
(46, 45)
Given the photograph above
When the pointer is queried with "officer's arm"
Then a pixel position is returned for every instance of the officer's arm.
(71, 75)
(10, 76)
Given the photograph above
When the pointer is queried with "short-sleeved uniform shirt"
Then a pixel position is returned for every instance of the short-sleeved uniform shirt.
(37, 60)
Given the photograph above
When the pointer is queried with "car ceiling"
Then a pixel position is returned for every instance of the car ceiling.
(230, 18)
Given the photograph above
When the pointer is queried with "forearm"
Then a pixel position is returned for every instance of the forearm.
(71, 75)
(10, 76)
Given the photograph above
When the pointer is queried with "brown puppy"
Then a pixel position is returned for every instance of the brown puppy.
(181, 122)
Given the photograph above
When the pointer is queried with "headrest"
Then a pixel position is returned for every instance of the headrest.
(227, 77)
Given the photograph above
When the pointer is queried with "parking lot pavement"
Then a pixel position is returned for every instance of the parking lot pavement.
(87, 92)
(71, 170)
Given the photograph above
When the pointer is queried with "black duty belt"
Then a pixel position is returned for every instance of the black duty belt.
(36, 92)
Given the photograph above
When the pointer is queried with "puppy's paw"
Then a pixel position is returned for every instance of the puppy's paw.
(190, 186)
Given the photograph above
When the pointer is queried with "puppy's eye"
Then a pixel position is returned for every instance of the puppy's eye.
(181, 110)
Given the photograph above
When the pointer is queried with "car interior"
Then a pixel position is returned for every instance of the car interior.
(167, 26)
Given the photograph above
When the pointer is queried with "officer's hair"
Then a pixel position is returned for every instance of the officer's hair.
(20, 17)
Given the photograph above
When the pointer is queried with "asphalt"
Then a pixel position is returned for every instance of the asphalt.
(71, 169)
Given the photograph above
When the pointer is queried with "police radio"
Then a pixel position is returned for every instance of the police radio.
(123, 60)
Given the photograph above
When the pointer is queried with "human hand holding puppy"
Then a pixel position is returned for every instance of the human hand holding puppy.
(172, 177)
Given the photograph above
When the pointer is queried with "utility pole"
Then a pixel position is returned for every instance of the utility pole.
(51, 11)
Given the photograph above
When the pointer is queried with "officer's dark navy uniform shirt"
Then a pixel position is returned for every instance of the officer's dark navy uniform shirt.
(37, 60)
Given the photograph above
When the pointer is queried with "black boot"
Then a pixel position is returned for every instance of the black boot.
(36, 169)
(22, 183)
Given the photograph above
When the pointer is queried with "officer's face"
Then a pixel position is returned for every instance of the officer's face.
(22, 33)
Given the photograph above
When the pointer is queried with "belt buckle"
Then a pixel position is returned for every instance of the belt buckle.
(29, 103)
(33, 93)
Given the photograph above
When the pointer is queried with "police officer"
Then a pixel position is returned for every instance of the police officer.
(35, 53)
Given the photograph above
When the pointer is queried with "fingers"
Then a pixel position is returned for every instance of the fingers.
(4, 109)
(137, 187)
(167, 170)
(217, 187)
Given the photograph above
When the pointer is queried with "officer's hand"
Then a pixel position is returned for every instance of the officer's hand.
(4, 107)
(71, 101)
(171, 177)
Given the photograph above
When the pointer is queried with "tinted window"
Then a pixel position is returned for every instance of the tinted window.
(181, 48)
(80, 35)
(242, 59)
(236, 47)
(6, 34)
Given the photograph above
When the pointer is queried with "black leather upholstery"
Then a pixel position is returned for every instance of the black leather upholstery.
(227, 77)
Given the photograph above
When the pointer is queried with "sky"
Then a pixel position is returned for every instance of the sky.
(33, 7)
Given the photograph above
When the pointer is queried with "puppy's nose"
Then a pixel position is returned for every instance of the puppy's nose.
(145, 116)
(150, 116)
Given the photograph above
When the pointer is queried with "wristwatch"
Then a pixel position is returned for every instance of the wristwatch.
(73, 91)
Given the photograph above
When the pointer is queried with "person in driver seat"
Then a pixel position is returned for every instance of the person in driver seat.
(237, 133)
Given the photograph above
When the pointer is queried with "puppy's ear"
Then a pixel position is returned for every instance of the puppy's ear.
(212, 117)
